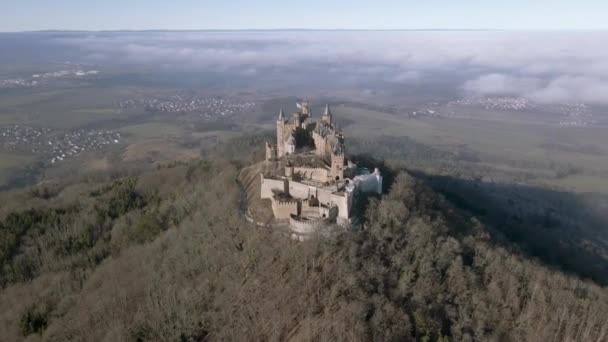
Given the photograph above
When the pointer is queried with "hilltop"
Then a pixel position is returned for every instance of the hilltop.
(167, 254)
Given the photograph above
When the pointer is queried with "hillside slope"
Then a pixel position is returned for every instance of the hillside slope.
(167, 256)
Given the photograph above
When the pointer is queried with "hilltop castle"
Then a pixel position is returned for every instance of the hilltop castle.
(311, 183)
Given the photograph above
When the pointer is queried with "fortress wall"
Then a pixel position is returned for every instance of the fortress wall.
(324, 196)
(344, 203)
(298, 190)
(304, 227)
(268, 185)
(284, 209)
(327, 212)
(315, 173)
(311, 212)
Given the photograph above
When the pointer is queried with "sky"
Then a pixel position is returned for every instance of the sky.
(31, 15)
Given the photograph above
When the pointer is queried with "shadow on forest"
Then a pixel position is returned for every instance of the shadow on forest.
(561, 229)
(564, 230)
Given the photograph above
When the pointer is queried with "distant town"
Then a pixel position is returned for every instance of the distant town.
(54, 146)
(567, 115)
(40, 79)
(205, 107)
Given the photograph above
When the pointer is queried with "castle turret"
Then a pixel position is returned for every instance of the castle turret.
(337, 166)
(327, 117)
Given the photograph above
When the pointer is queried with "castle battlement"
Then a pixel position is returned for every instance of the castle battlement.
(285, 202)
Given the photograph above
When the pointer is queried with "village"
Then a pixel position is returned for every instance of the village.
(205, 107)
(54, 146)
(40, 79)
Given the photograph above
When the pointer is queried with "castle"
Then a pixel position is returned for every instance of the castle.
(309, 181)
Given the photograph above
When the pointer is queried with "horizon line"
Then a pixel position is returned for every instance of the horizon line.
(305, 29)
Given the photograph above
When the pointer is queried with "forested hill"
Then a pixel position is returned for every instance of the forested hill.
(165, 255)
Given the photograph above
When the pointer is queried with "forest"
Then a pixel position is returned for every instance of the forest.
(164, 254)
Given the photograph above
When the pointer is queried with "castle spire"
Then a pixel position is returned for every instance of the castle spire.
(281, 115)
(327, 110)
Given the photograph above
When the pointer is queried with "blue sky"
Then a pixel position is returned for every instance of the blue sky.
(26, 15)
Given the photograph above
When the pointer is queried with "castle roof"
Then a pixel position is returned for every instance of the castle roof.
(323, 129)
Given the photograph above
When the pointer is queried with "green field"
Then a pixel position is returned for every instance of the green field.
(506, 145)
(503, 143)
(152, 130)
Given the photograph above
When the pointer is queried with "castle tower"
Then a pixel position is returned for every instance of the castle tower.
(271, 152)
(304, 107)
(281, 134)
(297, 119)
(338, 160)
(290, 144)
(327, 117)
(337, 166)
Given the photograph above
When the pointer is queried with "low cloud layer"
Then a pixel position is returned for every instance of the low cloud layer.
(543, 66)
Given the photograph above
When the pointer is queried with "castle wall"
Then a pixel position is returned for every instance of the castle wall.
(283, 210)
(304, 227)
(299, 190)
(269, 185)
(320, 145)
(317, 174)
(343, 202)
(324, 196)
(306, 210)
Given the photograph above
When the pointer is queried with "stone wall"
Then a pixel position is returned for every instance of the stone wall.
(306, 210)
(343, 202)
(268, 186)
(320, 146)
(283, 209)
(299, 190)
(304, 227)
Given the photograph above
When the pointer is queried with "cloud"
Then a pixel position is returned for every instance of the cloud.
(500, 84)
(573, 89)
(545, 66)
